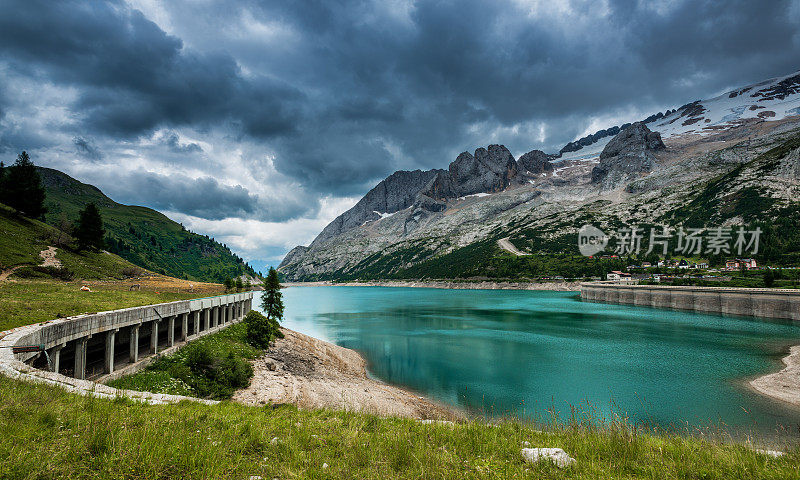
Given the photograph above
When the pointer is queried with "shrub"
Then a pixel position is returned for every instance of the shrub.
(213, 367)
(130, 272)
(199, 358)
(261, 331)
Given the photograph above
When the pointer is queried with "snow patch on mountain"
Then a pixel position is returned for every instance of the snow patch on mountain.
(774, 99)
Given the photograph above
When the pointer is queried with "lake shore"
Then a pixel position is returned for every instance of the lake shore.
(311, 373)
(549, 286)
(783, 385)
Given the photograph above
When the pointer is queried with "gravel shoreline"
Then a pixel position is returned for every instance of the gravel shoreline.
(783, 385)
(311, 373)
(550, 286)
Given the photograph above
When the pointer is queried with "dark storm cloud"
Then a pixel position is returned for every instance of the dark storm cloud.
(202, 197)
(172, 141)
(132, 75)
(87, 149)
(340, 94)
(421, 81)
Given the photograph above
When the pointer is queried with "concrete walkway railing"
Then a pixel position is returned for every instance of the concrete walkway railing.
(104, 345)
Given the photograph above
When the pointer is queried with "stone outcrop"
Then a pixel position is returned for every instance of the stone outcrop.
(626, 156)
(536, 162)
(556, 455)
(487, 171)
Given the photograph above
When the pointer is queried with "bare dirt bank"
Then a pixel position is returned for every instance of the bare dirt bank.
(783, 385)
(551, 286)
(311, 373)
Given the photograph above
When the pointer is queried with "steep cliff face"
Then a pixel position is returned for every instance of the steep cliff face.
(536, 162)
(489, 170)
(398, 191)
(627, 155)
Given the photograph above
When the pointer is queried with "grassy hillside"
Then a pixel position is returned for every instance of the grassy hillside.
(35, 294)
(21, 240)
(51, 434)
(142, 235)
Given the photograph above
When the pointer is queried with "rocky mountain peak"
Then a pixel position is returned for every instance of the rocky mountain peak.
(536, 162)
(633, 140)
(627, 155)
(489, 170)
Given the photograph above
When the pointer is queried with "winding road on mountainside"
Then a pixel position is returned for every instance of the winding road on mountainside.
(506, 245)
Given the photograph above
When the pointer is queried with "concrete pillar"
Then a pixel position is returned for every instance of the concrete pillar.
(196, 322)
(215, 320)
(55, 357)
(80, 358)
(184, 326)
(108, 364)
(133, 352)
(207, 318)
(154, 337)
(171, 331)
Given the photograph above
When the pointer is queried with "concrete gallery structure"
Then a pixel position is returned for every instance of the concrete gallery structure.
(104, 345)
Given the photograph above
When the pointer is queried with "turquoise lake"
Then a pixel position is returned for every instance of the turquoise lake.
(503, 352)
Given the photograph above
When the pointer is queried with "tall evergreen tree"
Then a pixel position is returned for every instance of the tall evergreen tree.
(272, 299)
(89, 230)
(21, 187)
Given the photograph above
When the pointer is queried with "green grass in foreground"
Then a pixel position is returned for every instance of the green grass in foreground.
(214, 366)
(50, 434)
(24, 302)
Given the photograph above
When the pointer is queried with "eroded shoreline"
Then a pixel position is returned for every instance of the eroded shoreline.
(311, 373)
(785, 384)
(548, 286)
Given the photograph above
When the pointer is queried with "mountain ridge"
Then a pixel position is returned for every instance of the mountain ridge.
(699, 139)
(143, 236)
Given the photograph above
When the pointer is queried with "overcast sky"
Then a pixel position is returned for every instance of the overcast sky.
(258, 122)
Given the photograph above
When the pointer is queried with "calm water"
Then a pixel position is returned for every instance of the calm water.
(521, 353)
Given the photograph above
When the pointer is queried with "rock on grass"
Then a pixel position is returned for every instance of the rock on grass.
(556, 455)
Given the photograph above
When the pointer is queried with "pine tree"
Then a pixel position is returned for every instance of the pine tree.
(89, 230)
(272, 299)
(21, 187)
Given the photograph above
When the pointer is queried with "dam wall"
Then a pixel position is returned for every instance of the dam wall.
(75, 352)
(751, 302)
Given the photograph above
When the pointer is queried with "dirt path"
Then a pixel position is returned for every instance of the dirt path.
(311, 373)
(48, 260)
(505, 244)
(7, 273)
(49, 257)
